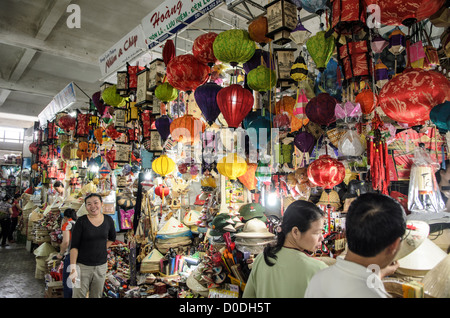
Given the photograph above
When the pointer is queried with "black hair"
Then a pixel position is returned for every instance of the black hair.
(298, 214)
(90, 195)
(17, 195)
(374, 221)
(58, 184)
(6, 198)
(71, 214)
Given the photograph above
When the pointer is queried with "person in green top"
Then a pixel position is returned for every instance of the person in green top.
(284, 270)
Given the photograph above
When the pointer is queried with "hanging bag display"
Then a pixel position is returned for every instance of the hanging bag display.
(355, 59)
(431, 54)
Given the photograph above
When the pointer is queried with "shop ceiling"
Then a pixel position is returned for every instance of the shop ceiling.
(40, 54)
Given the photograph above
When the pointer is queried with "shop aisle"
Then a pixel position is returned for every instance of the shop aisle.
(17, 270)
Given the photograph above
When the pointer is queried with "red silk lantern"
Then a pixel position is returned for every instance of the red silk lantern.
(168, 52)
(320, 109)
(326, 172)
(203, 48)
(409, 97)
(162, 191)
(406, 12)
(368, 100)
(186, 73)
(67, 123)
(235, 102)
(33, 147)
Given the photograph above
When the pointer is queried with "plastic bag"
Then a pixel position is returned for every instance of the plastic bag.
(424, 195)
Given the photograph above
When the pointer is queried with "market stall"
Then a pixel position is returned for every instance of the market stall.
(198, 155)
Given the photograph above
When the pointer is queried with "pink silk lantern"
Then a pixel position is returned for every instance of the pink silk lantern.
(186, 73)
(326, 172)
(409, 97)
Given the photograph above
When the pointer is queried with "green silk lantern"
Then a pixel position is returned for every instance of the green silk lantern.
(234, 46)
(166, 92)
(320, 48)
(110, 96)
(261, 79)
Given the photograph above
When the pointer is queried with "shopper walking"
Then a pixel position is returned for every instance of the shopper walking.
(284, 270)
(374, 226)
(16, 211)
(92, 235)
(68, 222)
(5, 219)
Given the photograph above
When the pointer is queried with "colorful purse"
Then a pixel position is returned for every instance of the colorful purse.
(126, 219)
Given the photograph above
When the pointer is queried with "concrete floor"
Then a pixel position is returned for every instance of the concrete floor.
(17, 270)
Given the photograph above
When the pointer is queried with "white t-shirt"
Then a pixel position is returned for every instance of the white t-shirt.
(346, 279)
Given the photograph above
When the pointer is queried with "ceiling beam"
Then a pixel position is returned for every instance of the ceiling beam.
(4, 93)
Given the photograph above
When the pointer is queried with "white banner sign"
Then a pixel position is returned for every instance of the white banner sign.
(60, 102)
(173, 15)
(129, 47)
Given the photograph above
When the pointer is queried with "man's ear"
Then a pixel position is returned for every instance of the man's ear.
(394, 247)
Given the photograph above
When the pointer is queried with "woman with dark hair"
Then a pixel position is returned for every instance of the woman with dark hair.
(284, 270)
(68, 221)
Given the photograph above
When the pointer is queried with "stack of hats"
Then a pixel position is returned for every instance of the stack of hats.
(41, 254)
(190, 220)
(150, 263)
(331, 198)
(173, 234)
(222, 223)
(254, 236)
(26, 211)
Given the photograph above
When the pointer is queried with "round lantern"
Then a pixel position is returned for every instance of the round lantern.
(206, 99)
(406, 12)
(232, 166)
(162, 191)
(321, 49)
(162, 124)
(368, 100)
(314, 6)
(304, 141)
(409, 96)
(166, 92)
(186, 73)
(235, 102)
(248, 179)
(256, 129)
(285, 104)
(261, 79)
(203, 48)
(110, 96)
(326, 172)
(186, 129)
(33, 147)
(257, 31)
(67, 123)
(163, 165)
(168, 51)
(233, 46)
(320, 109)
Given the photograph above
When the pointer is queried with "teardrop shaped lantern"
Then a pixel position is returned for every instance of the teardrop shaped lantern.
(320, 109)
(304, 141)
(163, 165)
(234, 46)
(166, 92)
(162, 124)
(397, 41)
(235, 102)
(257, 30)
(368, 100)
(381, 74)
(261, 79)
(300, 34)
(248, 179)
(186, 73)
(321, 49)
(232, 166)
(299, 70)
(409, 97)
(202, 48)
(350, 144)
(326, 172)
(168, 52)
(259, 128)
(440, 114)
(187, 129)
(300, 107)
(206, 99)
(378, 44)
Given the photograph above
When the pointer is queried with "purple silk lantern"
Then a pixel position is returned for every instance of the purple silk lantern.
(320, 109)
(205, 97)
(162, 124)
(101, 107)
(255, 61)
(304, 141)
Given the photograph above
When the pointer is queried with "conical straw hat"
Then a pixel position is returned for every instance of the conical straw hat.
(173, 226)
(416, 233)
(436, 282)
(153, 257)
(44, 250)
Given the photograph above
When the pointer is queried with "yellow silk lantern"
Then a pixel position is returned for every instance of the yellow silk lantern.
(163, 165)
(232, 166)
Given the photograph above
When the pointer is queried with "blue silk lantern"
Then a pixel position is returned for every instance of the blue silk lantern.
(314, 6)
(162, 124)
(440, 116)
(205, 97)
(330, 81)
(260, 126)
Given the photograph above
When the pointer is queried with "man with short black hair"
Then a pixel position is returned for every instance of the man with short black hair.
(374, 226)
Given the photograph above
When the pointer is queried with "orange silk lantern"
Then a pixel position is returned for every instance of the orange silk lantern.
(83, 151)
(186, 129)
(258, 29)
(248, 179)
(368, 100)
